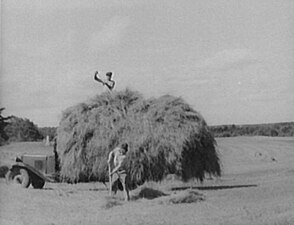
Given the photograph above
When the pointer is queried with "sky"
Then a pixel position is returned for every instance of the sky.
(231, 60)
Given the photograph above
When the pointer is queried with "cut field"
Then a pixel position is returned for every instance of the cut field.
(257, 187)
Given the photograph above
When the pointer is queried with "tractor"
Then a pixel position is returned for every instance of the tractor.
(32, 169)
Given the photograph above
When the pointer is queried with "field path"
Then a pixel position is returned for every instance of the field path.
(254, 189)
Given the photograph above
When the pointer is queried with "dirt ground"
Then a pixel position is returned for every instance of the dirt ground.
(257, 187)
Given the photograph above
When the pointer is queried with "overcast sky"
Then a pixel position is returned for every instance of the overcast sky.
(233, 61)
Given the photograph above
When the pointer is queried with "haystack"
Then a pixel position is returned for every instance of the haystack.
(165, 135)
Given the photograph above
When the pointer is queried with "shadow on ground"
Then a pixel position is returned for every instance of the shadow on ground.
(148, 193)
(213, 187)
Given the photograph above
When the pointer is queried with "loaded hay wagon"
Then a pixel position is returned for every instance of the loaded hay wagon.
(32, 169)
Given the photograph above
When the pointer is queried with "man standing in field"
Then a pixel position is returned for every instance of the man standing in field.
(117, 170)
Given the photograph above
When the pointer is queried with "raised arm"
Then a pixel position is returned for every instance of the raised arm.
(97, 78)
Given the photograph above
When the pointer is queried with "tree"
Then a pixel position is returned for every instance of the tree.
(274, 132)
(3, 124)
(22, 130)
(48, 131)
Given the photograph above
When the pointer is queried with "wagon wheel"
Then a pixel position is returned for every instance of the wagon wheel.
(19, 177)
(38, 183)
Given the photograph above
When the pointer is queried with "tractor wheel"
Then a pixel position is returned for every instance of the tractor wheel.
(19, 177)
(38, 183)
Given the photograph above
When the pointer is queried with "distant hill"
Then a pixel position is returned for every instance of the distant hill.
(285, 129)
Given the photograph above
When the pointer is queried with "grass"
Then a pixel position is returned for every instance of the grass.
(270, 202)
(111, 202)
(9, 152)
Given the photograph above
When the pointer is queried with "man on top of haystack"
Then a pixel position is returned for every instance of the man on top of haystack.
(117, 171)
(109, 82)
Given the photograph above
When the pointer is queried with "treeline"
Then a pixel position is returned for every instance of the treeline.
(272, 130)
(48, 131)
(15, 129)
(19, 129)
(3, 124)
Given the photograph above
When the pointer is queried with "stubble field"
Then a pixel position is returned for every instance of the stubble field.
(257, 187)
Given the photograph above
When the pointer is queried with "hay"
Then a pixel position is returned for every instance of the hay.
(148, 193)
(187, 196)
(111, 202)
(165, 135)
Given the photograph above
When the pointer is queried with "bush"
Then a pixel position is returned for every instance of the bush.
(3, 171)
(3, 124)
